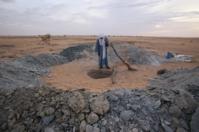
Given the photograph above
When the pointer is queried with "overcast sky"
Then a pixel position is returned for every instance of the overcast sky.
(92, 17)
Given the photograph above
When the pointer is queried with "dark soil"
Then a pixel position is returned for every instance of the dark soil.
(101, 73)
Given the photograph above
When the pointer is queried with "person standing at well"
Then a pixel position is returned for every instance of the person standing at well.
(102, 44)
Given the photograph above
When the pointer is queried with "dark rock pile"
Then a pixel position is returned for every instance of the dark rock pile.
(129, 52)
(77, 52)
(50, 110)
(181, 79)
(25, 71)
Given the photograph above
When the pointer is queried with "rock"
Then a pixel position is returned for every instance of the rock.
(49, 111)
(100, 105)
(43, 92)
(49, 129)
(46, 111)
(113, 97)
(104, 122)
(90, 128)
(135, 107)
(161, 71)
(135, 130)
(103, 129)
(186, 102)
(66, 112)
(82, 126)
(92, 118)
(175, 121)
(4, 126)
(157, 104)
(77, 102)
(126, 115)
(81, 117)
(183, 124)
(145, 125)
(180, 129)
(166, 127)
(195, 121)
(11, 122)
(175, 111)
(165, 98)
(18, 128)
(48, 119)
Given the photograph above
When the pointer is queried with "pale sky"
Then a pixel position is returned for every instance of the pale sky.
(93, 17)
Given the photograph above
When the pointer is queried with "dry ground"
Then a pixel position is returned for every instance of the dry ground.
(74, 75)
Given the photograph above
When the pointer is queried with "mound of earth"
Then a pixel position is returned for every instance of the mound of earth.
(25, 71)
(165, 109)
(129, 52)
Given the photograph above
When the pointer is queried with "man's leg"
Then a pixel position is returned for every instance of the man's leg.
(106, 62)
(100, 62)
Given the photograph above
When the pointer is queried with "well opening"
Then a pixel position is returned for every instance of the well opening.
(99, 73)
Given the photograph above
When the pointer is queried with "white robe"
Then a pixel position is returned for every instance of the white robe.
(102, 43)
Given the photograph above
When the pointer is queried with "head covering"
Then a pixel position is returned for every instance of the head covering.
(101, 36)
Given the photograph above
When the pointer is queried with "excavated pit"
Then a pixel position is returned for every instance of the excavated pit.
(26, 71)
(169, 104)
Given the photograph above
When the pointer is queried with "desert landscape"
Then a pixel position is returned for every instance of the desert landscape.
(57, 86)
(74, 75)
(99, 66)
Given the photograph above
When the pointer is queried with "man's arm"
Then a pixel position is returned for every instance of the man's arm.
(106, 42)
(97, 46)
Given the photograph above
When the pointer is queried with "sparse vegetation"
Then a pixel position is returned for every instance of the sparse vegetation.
(45, 39)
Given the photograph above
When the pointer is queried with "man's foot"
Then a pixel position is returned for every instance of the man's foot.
(100, 67)
(107, 67)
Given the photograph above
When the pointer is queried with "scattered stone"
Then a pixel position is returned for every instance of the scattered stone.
(175, 111)
(77, 102)
(90, 128)
(48, 119)
(81, 117)
(49, 129)
(157, 104)
(144, 125)
(82, 126)
(100, 105)
(135, 130)
(180, 129)
(126, 115)
(195, 121)
(166, 128)
(92, 118)
(66, 112)
(49, 111)
(19, 128)
(185, 102)
(161, 71)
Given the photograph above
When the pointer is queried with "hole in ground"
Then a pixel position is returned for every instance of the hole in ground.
(99, 74)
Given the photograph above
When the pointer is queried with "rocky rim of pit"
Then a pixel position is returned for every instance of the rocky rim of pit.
(169, 104)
